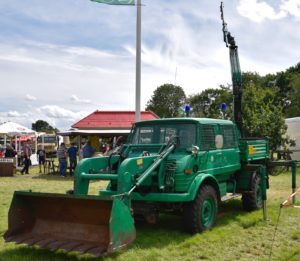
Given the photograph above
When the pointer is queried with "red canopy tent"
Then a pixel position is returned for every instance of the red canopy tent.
(23, 138)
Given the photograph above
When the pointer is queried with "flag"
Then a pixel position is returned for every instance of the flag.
(115, 2)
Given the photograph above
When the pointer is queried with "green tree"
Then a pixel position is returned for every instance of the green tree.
(166, 100)
(252, 77)
(294, 69)
(261, 116)
(293, 99)
(286, 85)
(280, 83)
(293, 95)
(43, 126)
(208, 103)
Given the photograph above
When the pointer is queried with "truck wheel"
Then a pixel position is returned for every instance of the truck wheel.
(252, 199)
(201, 214)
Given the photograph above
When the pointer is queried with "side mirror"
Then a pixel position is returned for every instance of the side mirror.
(195, 150)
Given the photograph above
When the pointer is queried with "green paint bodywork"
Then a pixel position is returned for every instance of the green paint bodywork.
(219, 167)
(121, 225)
(251, 150)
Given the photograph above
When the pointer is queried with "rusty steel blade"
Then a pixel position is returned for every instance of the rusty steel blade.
(69, 246)
(32, 241)
(84, 247)
(45, 242)
(71, 223)
(56, 245)
(99, 251)
(19, 239)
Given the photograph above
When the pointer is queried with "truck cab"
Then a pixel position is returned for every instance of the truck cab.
(203, 146)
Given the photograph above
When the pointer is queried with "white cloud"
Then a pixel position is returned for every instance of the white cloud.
(56, 116)
(75, 99)
(29, 97)
(54, 111)
(53, 72)
(292, 7)
(258, 11)
(16, 114)
(75, 60)
(85, 51)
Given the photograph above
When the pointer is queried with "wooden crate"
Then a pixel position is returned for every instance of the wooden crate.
(7, 167)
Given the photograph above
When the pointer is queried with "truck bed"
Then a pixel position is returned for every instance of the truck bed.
(254, 149)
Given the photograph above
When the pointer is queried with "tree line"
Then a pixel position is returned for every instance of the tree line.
(43, 126)
(267, 101)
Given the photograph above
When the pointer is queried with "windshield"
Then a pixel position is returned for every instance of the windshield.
(47, 139)
(161, 133)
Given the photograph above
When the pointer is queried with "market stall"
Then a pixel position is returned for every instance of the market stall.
(14, 131)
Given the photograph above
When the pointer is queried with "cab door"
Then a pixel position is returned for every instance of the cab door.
(211, 159)
(231, 151)
(219, 145)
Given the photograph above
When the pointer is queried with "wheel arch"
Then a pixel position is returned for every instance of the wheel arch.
(204, 179)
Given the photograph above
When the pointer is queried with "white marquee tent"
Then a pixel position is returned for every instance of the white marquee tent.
(293, 131)
(12, 129)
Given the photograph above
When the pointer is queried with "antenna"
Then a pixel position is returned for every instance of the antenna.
(224, 29)
(175, 76)
(228, 39)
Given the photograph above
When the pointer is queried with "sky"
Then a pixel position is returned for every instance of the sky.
(61, 60)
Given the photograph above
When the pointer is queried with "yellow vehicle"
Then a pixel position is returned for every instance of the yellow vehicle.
(49, 142)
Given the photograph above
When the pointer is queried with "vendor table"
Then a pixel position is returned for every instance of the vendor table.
(49, 166)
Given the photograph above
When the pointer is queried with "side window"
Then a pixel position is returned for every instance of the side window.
(208, 137)
(230, 140)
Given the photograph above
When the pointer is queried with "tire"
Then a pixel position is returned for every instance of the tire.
(200, 214)
(252, 200)
(275, 171)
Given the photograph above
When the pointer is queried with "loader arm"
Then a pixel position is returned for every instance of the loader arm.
(131, 173)
(152, 167)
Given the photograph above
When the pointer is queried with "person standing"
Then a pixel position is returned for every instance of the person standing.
(72, 153)
(87, 150)
(9, 152)
(26, 153)
(41, 153)
(62, 159)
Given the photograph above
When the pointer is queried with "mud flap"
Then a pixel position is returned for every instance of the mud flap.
(85, 224)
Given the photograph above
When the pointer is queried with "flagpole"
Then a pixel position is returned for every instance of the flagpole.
(138, 62)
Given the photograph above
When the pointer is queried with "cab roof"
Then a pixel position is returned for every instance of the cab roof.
(186, 120)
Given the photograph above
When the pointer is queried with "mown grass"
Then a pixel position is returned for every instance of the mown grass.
(237, 235)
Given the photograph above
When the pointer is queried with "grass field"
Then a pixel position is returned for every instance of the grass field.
(237, 235)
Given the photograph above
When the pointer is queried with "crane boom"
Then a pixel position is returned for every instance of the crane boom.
(236, 74)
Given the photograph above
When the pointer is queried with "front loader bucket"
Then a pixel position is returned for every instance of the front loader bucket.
(56, 221)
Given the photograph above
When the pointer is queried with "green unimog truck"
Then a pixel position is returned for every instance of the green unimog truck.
(186, 166)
